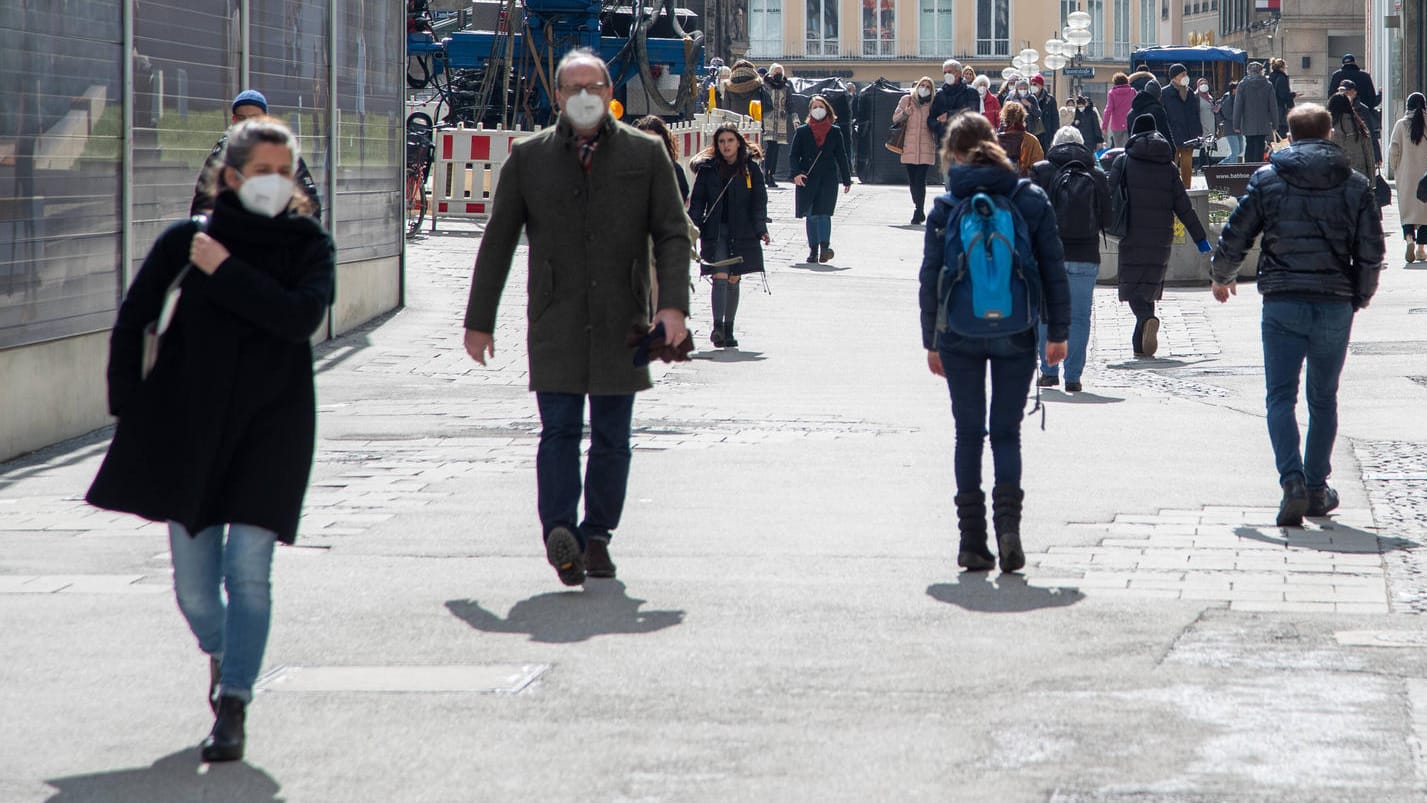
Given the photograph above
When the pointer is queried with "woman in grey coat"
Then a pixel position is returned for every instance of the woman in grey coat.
(1351, 134)
(1255, 112)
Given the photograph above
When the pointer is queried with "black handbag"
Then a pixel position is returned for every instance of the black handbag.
(896, 138)
(1382, 190)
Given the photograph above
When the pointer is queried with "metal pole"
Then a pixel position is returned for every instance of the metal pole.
(333, 135)
(126, 158)
(246, 38)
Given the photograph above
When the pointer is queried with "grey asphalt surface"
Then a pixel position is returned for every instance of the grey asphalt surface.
(788, 622)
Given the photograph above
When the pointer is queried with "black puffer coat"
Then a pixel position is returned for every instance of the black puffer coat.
(1183, 116)
(1156, 195)
(223, 428)
(1079, 246)
(735, 218)
(1322, 234)
(1147, 101)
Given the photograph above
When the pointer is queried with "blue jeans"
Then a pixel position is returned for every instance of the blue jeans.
(1012, 360)
(1236, 148)
(819, 230)
(1082, 298)
(1292, 332)
(236, 633)
(557, 462)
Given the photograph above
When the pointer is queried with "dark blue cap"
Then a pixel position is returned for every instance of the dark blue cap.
(251, 97)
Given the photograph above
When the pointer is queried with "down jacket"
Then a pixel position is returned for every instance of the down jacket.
(1082, 246)
(1322, 234)
(1148, 102)
(1156, 196)
(730, 211)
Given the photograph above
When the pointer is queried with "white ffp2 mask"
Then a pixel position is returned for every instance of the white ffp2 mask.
(266, 195)
(585, 110)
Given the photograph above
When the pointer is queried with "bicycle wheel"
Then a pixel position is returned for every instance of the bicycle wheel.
(415, 201)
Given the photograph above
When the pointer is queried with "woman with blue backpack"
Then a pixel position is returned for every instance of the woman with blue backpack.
(992, 267)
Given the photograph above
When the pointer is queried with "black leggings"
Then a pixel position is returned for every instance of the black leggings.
(917, 179)
(1414, 233)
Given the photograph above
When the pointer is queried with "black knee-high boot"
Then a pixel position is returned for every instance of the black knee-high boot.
(973, 553)
(1006, 514)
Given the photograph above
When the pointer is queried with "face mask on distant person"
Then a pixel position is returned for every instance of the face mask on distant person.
(981, 90)
(924, 91)
(818, 113)
(585, 110)
(1039, 89)
(265, 195)
(1182, 80)
(949, 78)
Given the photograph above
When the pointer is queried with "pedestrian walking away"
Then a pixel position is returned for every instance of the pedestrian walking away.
(1407, 159)
(1117, 110)
(777, 120)
(1368, 94)
(819, 164)
(216, 436)
(1155, 196)
(1023, 149)
(1255, 112)
(1225, 117)
(1080, 196)
(1351, 134)
(919, 149)
(729, 204)
(975, 322)
(1148, 101)
(1320, 255)
(1369, 117)
(591, 194)
(248, 104)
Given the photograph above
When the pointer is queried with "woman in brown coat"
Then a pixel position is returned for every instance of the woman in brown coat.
(919, 149)
(1023, 151)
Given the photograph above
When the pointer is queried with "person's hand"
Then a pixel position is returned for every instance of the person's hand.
(206, 253)
(480, 345)
(674, 329)
(1223, 291)
(801, 179)
(1204, 247)
(1055, 353)
(934, 363)
(766, 239)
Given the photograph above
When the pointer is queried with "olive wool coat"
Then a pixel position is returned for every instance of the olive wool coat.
(1155, 197)
(590, 245)
(222, 430)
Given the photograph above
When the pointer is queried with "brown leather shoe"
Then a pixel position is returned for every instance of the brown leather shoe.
(597, 562)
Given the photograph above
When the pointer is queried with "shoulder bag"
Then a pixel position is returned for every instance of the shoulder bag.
(1381, 190)
(154, 330)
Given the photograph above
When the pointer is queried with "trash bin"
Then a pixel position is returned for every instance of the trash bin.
(873, 113)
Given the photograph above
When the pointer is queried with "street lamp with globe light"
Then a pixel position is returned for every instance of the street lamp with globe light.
(1077, 34)
(1055, 60)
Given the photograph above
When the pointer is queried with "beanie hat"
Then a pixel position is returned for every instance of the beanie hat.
(1068, 134)
(1152, 89)
(251, 97)
(1176, 70)
(1349, 58)
(1038, 79)
(1143, 124)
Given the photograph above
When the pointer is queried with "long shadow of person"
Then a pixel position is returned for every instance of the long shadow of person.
(602, 609)
(1004, 593)
(1331, 537)
(176, 778)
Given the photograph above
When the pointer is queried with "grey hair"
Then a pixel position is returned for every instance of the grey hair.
(949, 63)
(1255, 67)
(579, 56)
(241, 139)
(1066, 134)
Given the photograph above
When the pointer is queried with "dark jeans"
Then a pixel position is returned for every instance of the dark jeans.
(1295, 331)
(1012, 360)
(557, 462)
(1254, 147)
(917, 180)
(1143, 310)
(1412, 233)
(770, 159)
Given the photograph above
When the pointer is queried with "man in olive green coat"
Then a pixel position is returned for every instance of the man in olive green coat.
(591, 194)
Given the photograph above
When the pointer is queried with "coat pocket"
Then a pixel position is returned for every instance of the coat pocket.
(641, 283)
(542, 288)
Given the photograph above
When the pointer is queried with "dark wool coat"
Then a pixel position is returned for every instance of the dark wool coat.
(819, 195)
(1255, 107)
(737, 217)
(950, 99)
(1156, 196)
(222, 430)
(1183, 114)
(589, 235)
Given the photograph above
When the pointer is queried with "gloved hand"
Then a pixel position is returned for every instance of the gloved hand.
(1204, 247)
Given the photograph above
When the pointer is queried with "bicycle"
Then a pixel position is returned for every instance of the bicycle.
(420, 152)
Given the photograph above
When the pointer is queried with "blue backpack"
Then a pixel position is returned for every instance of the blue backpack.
(982, 290)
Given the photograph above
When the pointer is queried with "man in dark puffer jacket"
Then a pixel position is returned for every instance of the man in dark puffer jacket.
(1322, 250)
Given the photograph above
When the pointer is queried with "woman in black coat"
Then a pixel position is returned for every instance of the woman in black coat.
(220, 433)
(819, 163)
(1155, 196)
(729, 204)
(1087, 120)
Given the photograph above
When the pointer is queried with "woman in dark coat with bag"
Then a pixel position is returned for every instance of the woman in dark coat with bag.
(729, 204)
(819, 163)
(220, 434)
(1155, 195)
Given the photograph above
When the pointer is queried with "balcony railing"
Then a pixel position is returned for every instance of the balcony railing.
(993, 47)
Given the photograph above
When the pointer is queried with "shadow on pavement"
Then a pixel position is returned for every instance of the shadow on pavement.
(1345, 539)
(729, 355)
(820, 268)
(1004, 593)
(1079, 397)
(601, 609)
(55, 457)
(174, 778)
(1148, 363)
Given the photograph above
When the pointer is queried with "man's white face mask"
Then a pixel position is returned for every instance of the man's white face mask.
(585, 110)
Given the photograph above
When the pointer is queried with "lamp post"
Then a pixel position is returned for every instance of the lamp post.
(1077, 34)
(1024, 62)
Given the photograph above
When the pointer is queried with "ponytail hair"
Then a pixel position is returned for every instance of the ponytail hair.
(969, 139)
(1415, 102)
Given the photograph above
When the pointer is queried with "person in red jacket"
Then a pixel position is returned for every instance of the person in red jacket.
(990, 106)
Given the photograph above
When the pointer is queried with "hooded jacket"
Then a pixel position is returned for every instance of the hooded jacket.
(730, 208)
(1156, 196)
(745, 85)
(1117, 107)
(1049, 288)
(1322, 234)
(1147, 101)
(1082, 246)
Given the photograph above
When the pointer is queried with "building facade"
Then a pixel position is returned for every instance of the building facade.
(108, 109)
(1311, 37)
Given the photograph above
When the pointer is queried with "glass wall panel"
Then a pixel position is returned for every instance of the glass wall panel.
(61, 102)
(289, 65)
(371, 140)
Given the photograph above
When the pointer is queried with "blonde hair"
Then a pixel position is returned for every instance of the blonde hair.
(242, 138)
(1013, 114)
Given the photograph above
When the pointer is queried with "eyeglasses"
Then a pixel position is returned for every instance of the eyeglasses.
(574, 89)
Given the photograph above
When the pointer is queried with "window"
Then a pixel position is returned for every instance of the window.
(993, 27)
(822, 27)
(1122, 30)
(879, 28)
(765, 28)
(1149, 30)
(935, 38)
(1096, 10)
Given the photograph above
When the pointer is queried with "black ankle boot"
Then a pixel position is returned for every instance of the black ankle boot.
(225, 743)
(1006, 514)
(971, 521)
(812, 255)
